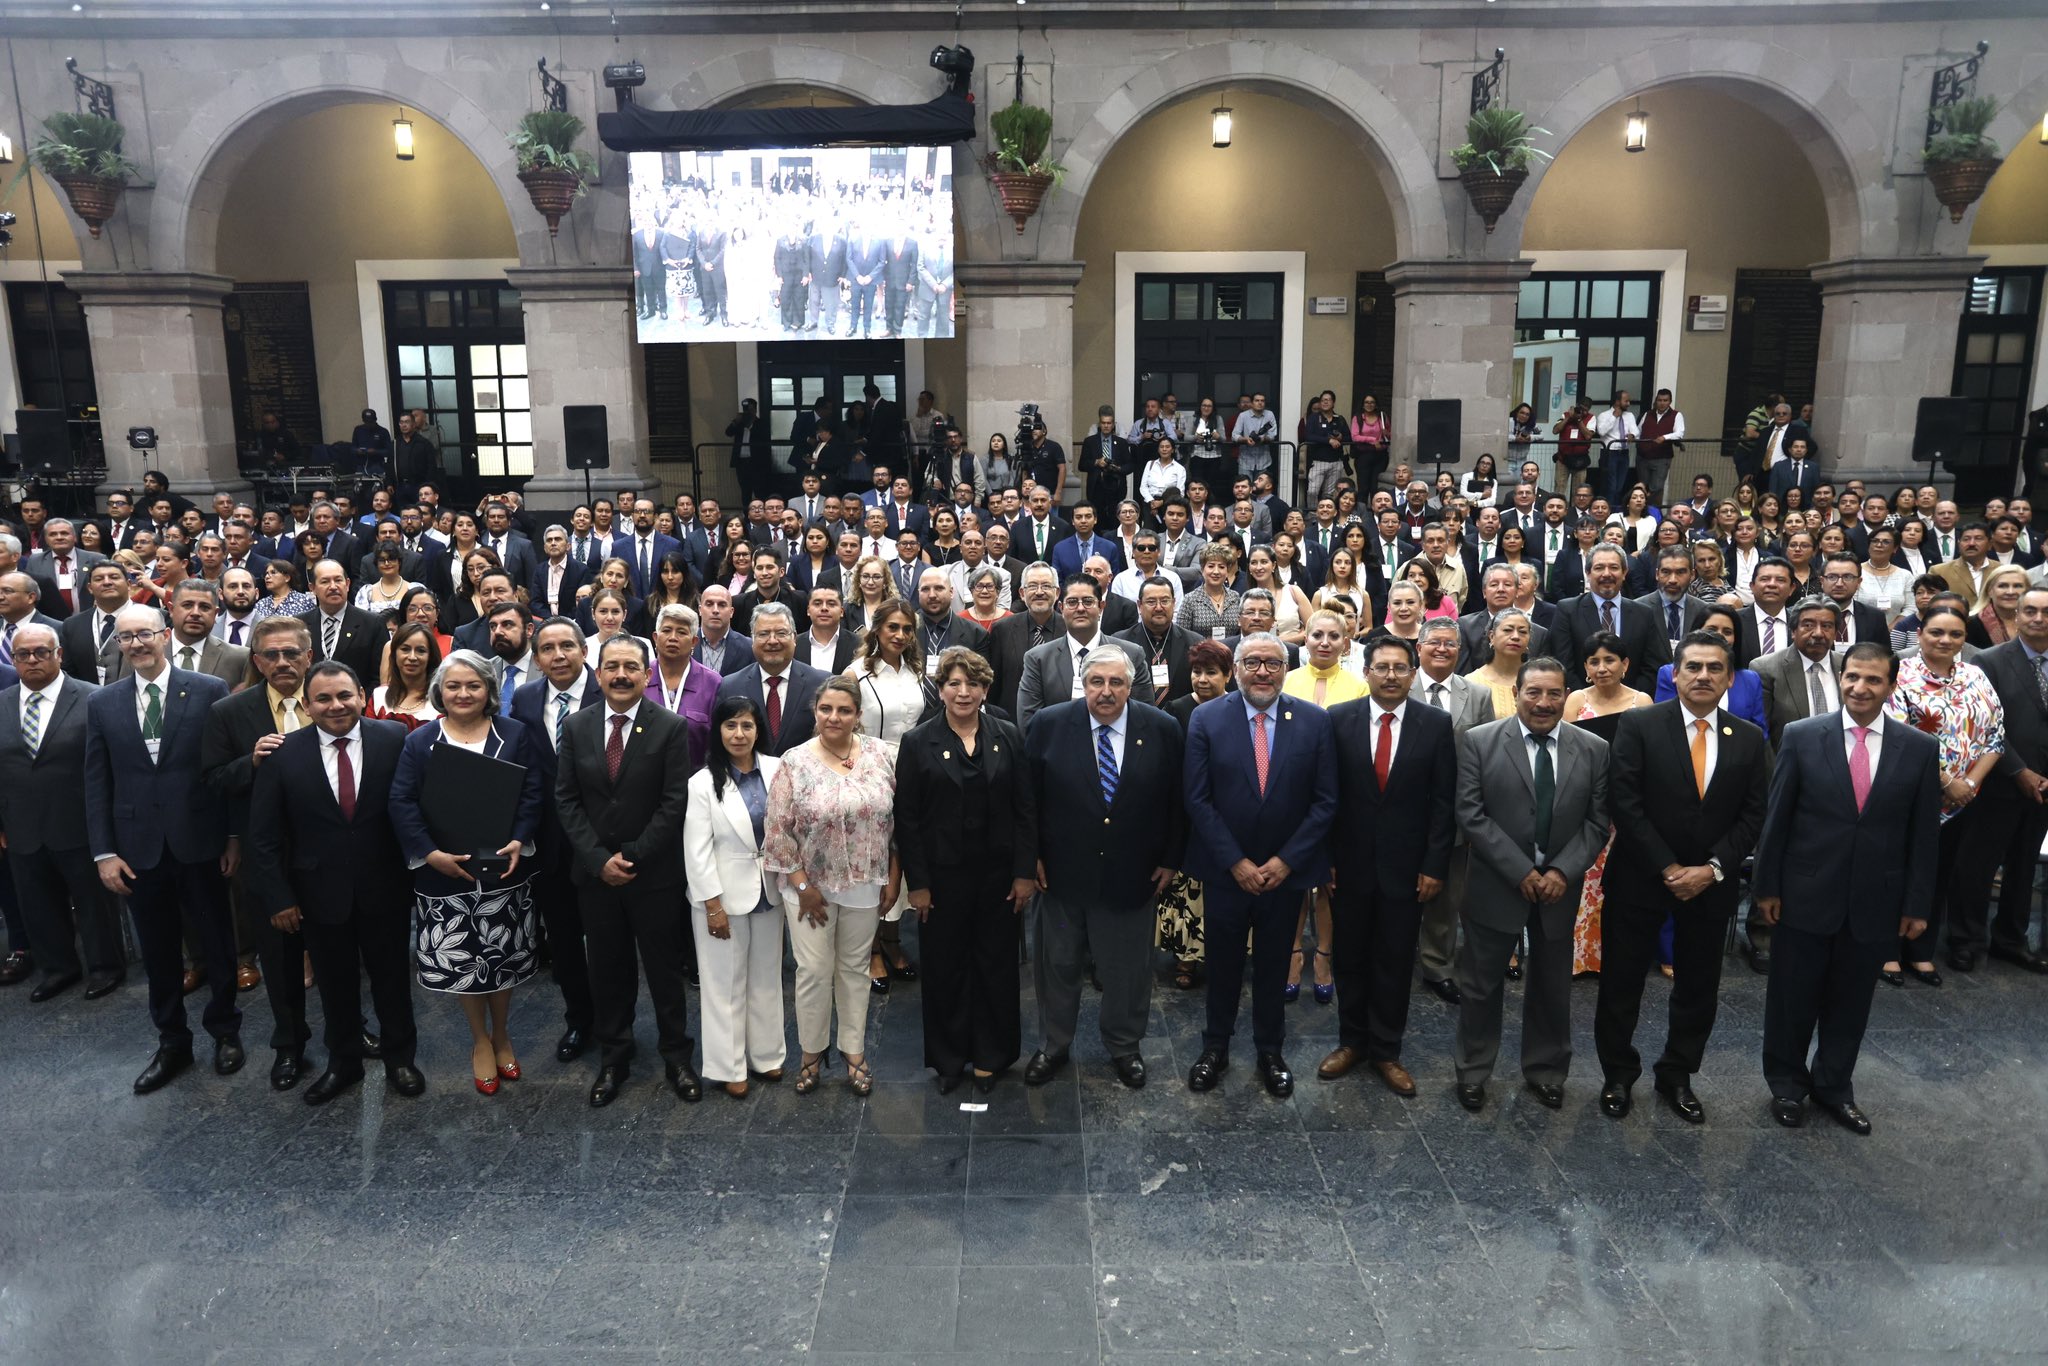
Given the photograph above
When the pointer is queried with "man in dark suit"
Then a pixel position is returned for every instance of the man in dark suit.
(785, 690)
(1034, 537)
(2014, 810)
(18, 597)
(622, 782)
(1686, 784)
(342, 546)
(1765, 627)
(514, 551)
(1845, 870)
(1799, 469)
(1475, 628)
(1053, 671)
(1532, 800)
(899, 274)
(825, 271)
(1260, 776)
(159, 837)
(552, 592)
(90, 654)
(1397, 774)
(720, 648)
(1015, 636)
(42, 771)
(60, 569)
(708, 260)
(1841, 574)
(650, 273)
(771, 585)
(1678, 610)
(1602, 608)
(865, 258)
(565, 688)
(339, 630)
(242, 732)
(644, 547)
(1164, 645)
(1110, 837)
(325, 866)
(1106, 460)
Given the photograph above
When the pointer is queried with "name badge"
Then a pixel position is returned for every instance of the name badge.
(931, 667)
(1215, 633)
(1159, 680)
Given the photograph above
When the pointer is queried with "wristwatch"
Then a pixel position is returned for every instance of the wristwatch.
(1719, 873)
(803, 886)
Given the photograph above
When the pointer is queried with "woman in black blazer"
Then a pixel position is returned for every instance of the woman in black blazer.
(967, 835)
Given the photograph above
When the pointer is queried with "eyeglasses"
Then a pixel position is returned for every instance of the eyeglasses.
(1262, 666)
(34, 652)
(138, 637)
(1389, 670)
(289, 654)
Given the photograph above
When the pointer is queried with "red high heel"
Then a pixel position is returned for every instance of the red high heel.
(509, 1071)
(486, 1086)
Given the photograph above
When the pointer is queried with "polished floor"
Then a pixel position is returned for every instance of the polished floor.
(218, 1222)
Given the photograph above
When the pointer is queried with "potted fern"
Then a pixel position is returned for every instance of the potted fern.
(1018, 167)
(1962, 158)
(550, 166)
(82, 153)
(1493, 161)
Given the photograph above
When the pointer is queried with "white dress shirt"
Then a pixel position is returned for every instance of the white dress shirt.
(818, 654)
(49, 695)
(1116, 734)
(1872, 743)
(330, 760)
(632, 715)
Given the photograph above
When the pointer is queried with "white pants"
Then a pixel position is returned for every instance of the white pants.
(832, 968)
(739, 998)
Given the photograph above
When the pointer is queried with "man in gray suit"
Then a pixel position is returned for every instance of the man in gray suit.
(1440, 684)
(1803, 679)
(42, 774)
(193, 647)
(1532, 799)
(1051, 673)
(60, 569)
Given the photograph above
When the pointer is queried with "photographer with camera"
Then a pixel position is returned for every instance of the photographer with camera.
(1042, 458)
(952, 465)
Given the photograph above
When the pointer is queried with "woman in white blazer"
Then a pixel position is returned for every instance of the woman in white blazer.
(735, 912)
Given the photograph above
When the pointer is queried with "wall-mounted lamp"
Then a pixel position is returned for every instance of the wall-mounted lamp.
(401, 135)
(1219, 126)
(6, 150)
(2044, 130)
(1637, 138)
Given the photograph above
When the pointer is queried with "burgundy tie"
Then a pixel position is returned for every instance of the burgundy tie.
(774, 708)
(345, 780)
(615, 749)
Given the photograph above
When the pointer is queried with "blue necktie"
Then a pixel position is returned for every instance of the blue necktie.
(1671, 611)
(511, 686)
(1105, 764)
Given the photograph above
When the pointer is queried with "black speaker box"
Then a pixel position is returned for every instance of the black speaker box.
(585, 444)
(1938, 429)
(1437, 425)
(45, 442)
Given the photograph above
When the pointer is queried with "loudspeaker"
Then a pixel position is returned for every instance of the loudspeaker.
(1938, 429)
(2035, 453)
(1437, 425)
(45, 442)
(585, 445)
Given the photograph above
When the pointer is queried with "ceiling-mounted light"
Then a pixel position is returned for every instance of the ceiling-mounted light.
(1637, 138)
(401, 135)
(1219, 126)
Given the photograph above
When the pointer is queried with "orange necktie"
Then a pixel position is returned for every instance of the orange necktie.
(1699, 756)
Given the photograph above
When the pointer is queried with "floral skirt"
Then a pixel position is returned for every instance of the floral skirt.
(475, 943)
(1180, 919)
(1586, 929)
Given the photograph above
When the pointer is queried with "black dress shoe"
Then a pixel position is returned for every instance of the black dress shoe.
(607, 1088)
(405, 1079)
(373, 1047)
(102, 984)
(1472, 1097)
(1849, 1117)
(1963, 959)
(1683, 1102)
(1788, 1112)
(1550, 1097)
(1445, 990)
(331, 1083)
(1130, 1070)
(1208, 1070)
(570, 1046)
(1615, 1101)
(1927, 976)
(1892, 978)
(284, 1073)
(1279, 1081)
(2021, 957)
(51, 987)
(227, 1055)
(15, 967)
(984, 1085)
(949, 1083)
(1759, 959)
(685, 1081)
(163, 1066)
(1042, 1067)
(1514, 972)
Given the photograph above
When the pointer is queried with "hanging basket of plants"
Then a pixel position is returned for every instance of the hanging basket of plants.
(82, 154)
(1962, 157)
(1493, 161)
(1018, 167)
(554, 172)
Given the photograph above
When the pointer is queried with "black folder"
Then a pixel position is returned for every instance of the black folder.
(470, 802)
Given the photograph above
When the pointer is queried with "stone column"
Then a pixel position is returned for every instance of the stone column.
(1020, 346)
(580, 349)
(1454, 337)
(1887, 340)
(160, 359)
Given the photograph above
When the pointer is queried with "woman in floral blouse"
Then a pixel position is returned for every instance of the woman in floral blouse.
(839, 869)
(1953, 702)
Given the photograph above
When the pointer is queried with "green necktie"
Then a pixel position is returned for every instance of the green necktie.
(153, 714)
(1546, 792)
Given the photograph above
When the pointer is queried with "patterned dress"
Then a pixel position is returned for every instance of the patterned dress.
(1586, 929)
(1962, 712)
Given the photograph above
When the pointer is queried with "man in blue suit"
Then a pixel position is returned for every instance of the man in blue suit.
(644, 547)
(159, 836)
(1069, 555)
(1261, 782)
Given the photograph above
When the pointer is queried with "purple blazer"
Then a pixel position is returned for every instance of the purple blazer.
(700, 694)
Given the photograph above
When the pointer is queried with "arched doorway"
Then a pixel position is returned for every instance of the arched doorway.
(2002, 343)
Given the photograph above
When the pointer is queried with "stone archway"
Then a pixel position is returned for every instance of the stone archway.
(1404, 168)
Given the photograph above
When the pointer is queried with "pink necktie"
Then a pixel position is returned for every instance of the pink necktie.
(1859, 768)
(1770, 634)
(1262, 754)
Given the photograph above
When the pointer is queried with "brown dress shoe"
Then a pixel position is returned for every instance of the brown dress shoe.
(1396, 1077)
(194, 979)
(1341, 1060)
(248, 978)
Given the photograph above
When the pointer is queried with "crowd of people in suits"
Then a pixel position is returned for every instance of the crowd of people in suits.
(1468, 746)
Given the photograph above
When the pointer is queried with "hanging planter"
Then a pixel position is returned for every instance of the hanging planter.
(1962, 158)
(1017, 168)
(82, 154)
(551, 168)
(1493, 161)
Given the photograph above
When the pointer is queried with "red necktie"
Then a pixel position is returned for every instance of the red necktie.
(345, 780)
(615, 748)
(1383, 752)
(1262, 754)
(774, 708)
(64, 569)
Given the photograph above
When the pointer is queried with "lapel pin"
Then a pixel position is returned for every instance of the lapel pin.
(1727, 730)
(636, 730)
(945, 754)
(1141, 742)
(1287, 715)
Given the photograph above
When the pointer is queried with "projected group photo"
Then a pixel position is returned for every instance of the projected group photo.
(793, 244)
